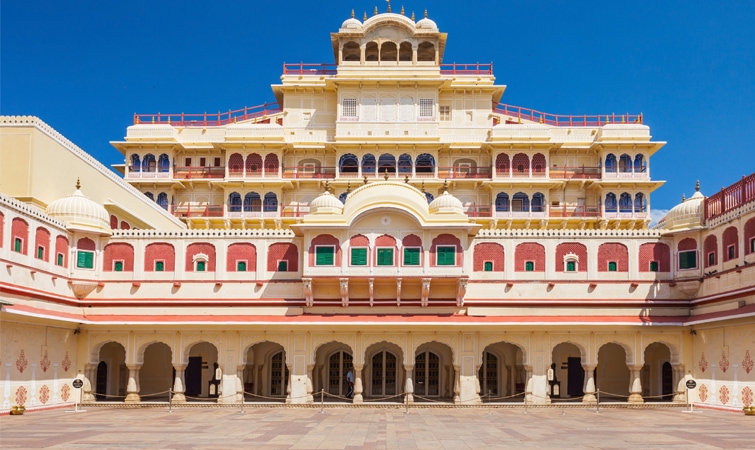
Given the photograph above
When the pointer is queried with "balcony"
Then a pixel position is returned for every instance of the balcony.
(626, 174)
(209, 120)
(489, 212)
(574, 211)
(251, 214)
(237, 172)
(462, 173)
(575, 173)
(309, 172)
(506, 172)
(136, 173)
(519, 113)
(198, 172)
(188, 211)
(730, 198)
(627, 215)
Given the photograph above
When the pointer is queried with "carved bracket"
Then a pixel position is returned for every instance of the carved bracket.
(344, 292)
(425, 291)
(461, 292)
(308, 297)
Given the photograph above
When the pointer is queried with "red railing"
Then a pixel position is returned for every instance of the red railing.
(729, 198)
(518, 113)
(309, 172)
(198, 211)
(196, 172)
(586, 173)
(464, 172)
(309, 69)
(467, 69)
(209, 119)
(574, 211)
(295, 211)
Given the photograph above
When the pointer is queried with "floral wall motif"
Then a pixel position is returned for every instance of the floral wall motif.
(44, 394)
(44, 363)
(21, 396)
(21, 362)
(702, 392)
(724, 362)
(66, 363)
(747, 396)
(65, 392)
(747, 362)
(723, 395)
(703, 363)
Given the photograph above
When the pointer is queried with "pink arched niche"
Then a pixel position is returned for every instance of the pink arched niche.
(159, 251)
(118, 251)
(241, 251)
(42, 239)
(529, 251)
(283, 251)
(325, 239)
(655, 251)
(200, 248)
(446, 240)
(575, 248)
(19, 230)
(488, 251)
(616, 252)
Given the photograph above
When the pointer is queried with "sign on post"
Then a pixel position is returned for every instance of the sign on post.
(77, 383)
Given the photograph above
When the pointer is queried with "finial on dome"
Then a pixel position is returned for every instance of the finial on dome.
(423, 185)
(327, 186)
(352, 13)
(365, 16)
(406, 179)
(365, 179)
(376, 12)
(445, 186)
(78, 183)
(385, 174)
(412, 16)
(348, 188)
(402, 10)
(389, 5)
(697, 186)
(425, 14)
(684, 199)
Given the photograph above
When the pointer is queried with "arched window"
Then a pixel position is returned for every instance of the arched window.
(639, 202)
(625, 163)
(538, 164)
(150, 196)
(625, 203)
(164, 163)
(388, 52)
(405, 164)
(348, 164)
(371, 51)
(148, 163)
(236, 164)
(639, 163)
(162, 200)
(135, 163)
(426, 52)
(520, 202)
(351, 51)
(502, 202)
(465, 168)
(234, 202)
(502, 164)
(368, 164)
(252, 202)
(271, 164)
(611, 163)
(386, 163)
(538, 201)
(425, 163)
(405, 51)
(611, 202)
(271, 202)
(521, 165)
(253, 165)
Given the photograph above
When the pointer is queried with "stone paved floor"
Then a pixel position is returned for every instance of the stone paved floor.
(377, 428)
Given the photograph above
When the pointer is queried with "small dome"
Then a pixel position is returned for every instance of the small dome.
(326, 203)
(445, 204)
(351, 24)
(427, 24)
(80, 213)
(687, 214)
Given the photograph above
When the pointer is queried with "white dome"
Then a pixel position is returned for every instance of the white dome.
(427, 24)
(351, 24)
(685, 215)
(326, 203)
(80, 213)
(446, 203)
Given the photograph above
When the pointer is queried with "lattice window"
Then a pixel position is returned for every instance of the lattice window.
(349, 106)
(426, 107)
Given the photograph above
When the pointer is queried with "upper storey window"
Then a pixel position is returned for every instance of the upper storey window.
(349, 107)
(445, 113)
(426, 108)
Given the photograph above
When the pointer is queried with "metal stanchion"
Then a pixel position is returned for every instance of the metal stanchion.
(597, 404)
(525, 403)
(170, 400)
(242, 403)
(406, 402)
(322, 401)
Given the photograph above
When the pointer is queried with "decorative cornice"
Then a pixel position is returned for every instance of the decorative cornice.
(190, 234)
(486, 233)
(34, 212)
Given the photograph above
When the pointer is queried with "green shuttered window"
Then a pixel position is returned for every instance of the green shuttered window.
(325, 256)
(358, 256)
(84, 260)
(385, 257)
(446, 256)
(411, 256)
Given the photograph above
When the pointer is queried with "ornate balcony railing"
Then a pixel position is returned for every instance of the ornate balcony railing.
(208, 119)
(580, 173)
(308, 172)
(561, 120)
(197, 172)
(198, 210)
(730, 198)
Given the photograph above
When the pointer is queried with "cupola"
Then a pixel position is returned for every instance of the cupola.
(80, 213)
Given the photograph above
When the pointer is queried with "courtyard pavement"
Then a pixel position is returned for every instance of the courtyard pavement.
(377, 428)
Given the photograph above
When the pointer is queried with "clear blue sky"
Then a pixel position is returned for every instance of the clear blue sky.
(85, 67)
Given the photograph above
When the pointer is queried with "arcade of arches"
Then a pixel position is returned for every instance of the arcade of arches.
(460, 367)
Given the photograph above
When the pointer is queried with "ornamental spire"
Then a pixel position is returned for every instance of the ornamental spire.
(389, 5)
(697, 186)
(352, 13)
(78, 183)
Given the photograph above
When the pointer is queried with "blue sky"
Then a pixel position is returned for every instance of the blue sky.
(85, 67)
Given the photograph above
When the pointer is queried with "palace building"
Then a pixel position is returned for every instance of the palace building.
(389, 214)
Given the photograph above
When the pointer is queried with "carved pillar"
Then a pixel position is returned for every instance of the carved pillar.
(409, 384)
(680, 388)
(344, 291)
(457, 385)
(461, 292)
(358, 384)
(589, 384)
(90, 373)
(132, 387)
(528, 384)
(179, 388)
(240, 383)
(310, 397)
(635, 385)
(288, 383)
(308, 296)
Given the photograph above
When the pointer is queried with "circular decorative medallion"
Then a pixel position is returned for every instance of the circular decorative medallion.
(386, 221)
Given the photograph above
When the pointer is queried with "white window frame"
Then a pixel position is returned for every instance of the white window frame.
(426, 109)
(571, 257)
(444, 111)
(349, 109)
(200, 257)
(334, 256)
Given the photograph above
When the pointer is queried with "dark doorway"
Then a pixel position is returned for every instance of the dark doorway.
(576, 377)
(101, 384)
(194, 376)
(667, 382)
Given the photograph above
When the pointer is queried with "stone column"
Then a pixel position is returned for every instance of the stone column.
(90, 373)
(528, 398)
(680, 388)
(457, 385)
(179, 388)
(589, 384)
(409, 384)
(358, 384)
(310, 382)
(635, 385)
(132, 387)
(240, 383)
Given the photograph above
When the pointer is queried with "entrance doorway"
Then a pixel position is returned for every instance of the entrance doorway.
(101, 388)
(383, 374)
(339, 365)
(576, 377)
(427, 374)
